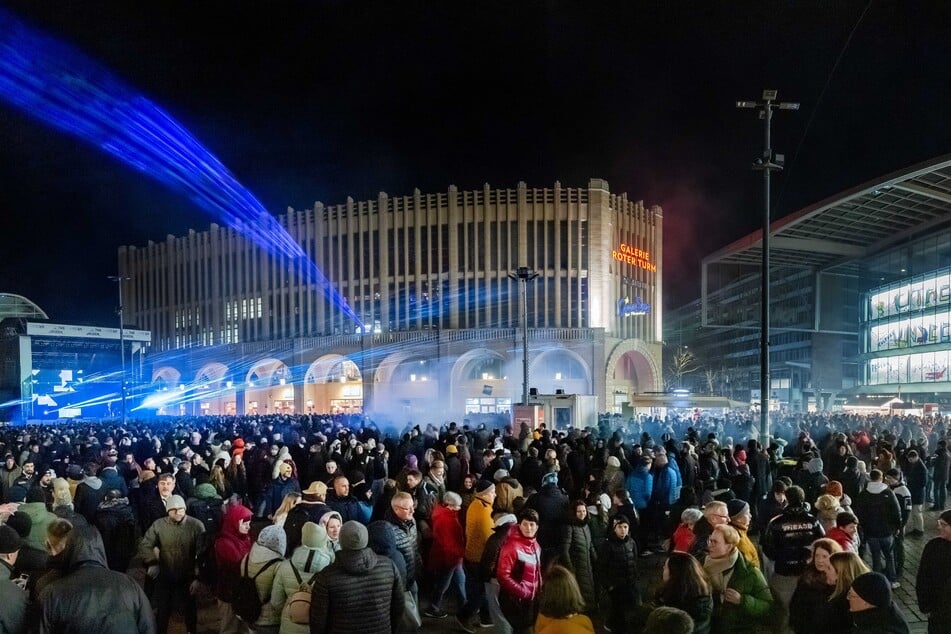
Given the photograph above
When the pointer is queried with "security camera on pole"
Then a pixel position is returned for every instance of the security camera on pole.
(766, 164)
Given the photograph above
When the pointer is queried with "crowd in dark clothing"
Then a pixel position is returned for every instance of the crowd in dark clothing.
(308, 512)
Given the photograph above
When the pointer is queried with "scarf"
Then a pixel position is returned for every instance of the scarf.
(720, 569)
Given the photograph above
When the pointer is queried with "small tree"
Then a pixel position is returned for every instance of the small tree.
(680, 365)
(712, 376)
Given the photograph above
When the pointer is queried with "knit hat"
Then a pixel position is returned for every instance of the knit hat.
(21, 523)
(874, 588)
(834, 488)
(273, 538)
(550, 478)
(174, 502)
(10, 541)
(206, 491)
(735, 507)
(316, 492)
(313, 535)
(353, 536)
(451, 449)
(620, 518)
(945, 517)
(484, 485)
(614, 462)
(500, 474)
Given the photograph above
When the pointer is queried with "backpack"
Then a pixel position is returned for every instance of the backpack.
(298, 604)
(246, 602)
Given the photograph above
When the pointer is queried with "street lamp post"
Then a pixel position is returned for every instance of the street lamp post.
(766, 164)
(118, 279)
(523, 274)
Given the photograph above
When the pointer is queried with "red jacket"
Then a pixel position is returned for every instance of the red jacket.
(519, 571)
(230, 548)
(449, 543)
(682, 539)
(843, 539)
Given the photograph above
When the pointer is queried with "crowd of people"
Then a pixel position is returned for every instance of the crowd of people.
(331, 524)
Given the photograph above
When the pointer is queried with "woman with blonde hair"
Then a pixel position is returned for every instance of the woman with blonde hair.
(291, 498)
(846, 566)
(560, 608)
(744, 596)
(810, 601)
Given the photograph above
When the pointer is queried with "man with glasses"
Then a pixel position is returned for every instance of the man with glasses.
(398, 531)
(714, 514)
(934, 575)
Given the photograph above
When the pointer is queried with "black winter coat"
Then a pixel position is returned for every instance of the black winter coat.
(552, 506)
(359, 593)
(578, 554)
(403, 536)
(787, 538)
(120, 533)
(91, 598)
(618, 561)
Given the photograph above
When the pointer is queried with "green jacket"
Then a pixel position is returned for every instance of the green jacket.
(177, 544)
(755, 602)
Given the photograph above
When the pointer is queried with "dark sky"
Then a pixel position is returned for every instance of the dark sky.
(311, 101)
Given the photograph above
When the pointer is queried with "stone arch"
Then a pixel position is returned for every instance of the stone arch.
(211, 373)
(632, 368)
(402, 391)
(489, 392)
(166, 375)
(333, 383)
(270, 387)
(544, 374)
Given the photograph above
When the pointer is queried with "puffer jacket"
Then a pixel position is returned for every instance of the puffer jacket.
(478, 528)
(230, 548)
(640, 484)
(519, 571)
(91, 598)
(449, 543)
(256, 560)
(787, 539)
(618, 559)
(359, 593)
(306, 561)
(403, 535)
(579, 555)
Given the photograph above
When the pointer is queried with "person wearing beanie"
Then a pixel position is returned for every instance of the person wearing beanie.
(175, 538)
(740, 518)
(13, 598)
(479, 527)
(262, 563)
(360, 592)
(312, 556)
(617, 559)
(786, 542)
(665, 491)
(934, 575)
(232, 544)
(872, 608)
(552, 505)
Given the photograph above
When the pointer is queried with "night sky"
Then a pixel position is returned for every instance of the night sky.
(316, 101)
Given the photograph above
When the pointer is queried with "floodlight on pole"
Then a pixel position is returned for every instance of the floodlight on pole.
(767, 164)
(119, 279)
(524, 274)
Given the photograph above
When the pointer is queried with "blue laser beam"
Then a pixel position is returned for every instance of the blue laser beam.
(61, 87)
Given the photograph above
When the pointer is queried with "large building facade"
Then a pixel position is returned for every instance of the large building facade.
(414, 308)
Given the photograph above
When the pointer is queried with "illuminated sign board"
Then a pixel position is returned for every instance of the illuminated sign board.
(632, 255)
(626, 308)
(86, 332)
(932, 291)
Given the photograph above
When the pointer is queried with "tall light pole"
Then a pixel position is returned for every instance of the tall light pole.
(766, 164)
(523, 274)
(118, 279)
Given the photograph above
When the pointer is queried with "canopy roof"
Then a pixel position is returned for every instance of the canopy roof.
(18, 306)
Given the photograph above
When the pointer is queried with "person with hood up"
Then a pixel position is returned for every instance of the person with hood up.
(332, 523)
(360, 592)
(231, 546)
(519, 572)
(169, 550)
(89, 492)
(270, 545)
(116, 523)
(873, 610)
(89, 597)
(312, 556)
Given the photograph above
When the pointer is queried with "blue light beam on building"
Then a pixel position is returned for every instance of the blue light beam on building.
(56, 84)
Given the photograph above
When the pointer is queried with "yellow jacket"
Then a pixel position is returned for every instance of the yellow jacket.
(574, 624)
(479, 527)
